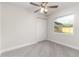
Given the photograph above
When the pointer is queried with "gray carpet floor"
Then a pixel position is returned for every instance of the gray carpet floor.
(43, 49)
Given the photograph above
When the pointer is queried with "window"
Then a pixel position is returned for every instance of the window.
(64, 24)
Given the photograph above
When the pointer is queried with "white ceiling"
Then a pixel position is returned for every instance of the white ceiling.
(32, 8)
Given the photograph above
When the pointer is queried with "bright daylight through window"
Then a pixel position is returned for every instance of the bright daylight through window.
(64, 24)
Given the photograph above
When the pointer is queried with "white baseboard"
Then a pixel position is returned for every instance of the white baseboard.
(16, 47)
(67, 45)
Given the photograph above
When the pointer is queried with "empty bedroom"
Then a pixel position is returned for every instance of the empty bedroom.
(39, 29)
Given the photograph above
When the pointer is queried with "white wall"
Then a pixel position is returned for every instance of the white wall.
(20, 27)
(65, 39)
(0, 27)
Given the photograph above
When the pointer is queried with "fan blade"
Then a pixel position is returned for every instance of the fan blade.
(36, 11)
(34, 4)
(52, 6)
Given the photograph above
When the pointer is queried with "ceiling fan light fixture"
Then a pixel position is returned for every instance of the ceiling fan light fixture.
(42, 10)
(45, 9)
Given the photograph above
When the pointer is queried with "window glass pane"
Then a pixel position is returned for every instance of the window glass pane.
(64, 24)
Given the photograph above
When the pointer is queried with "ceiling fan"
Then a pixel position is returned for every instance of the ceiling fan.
(43, 8)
